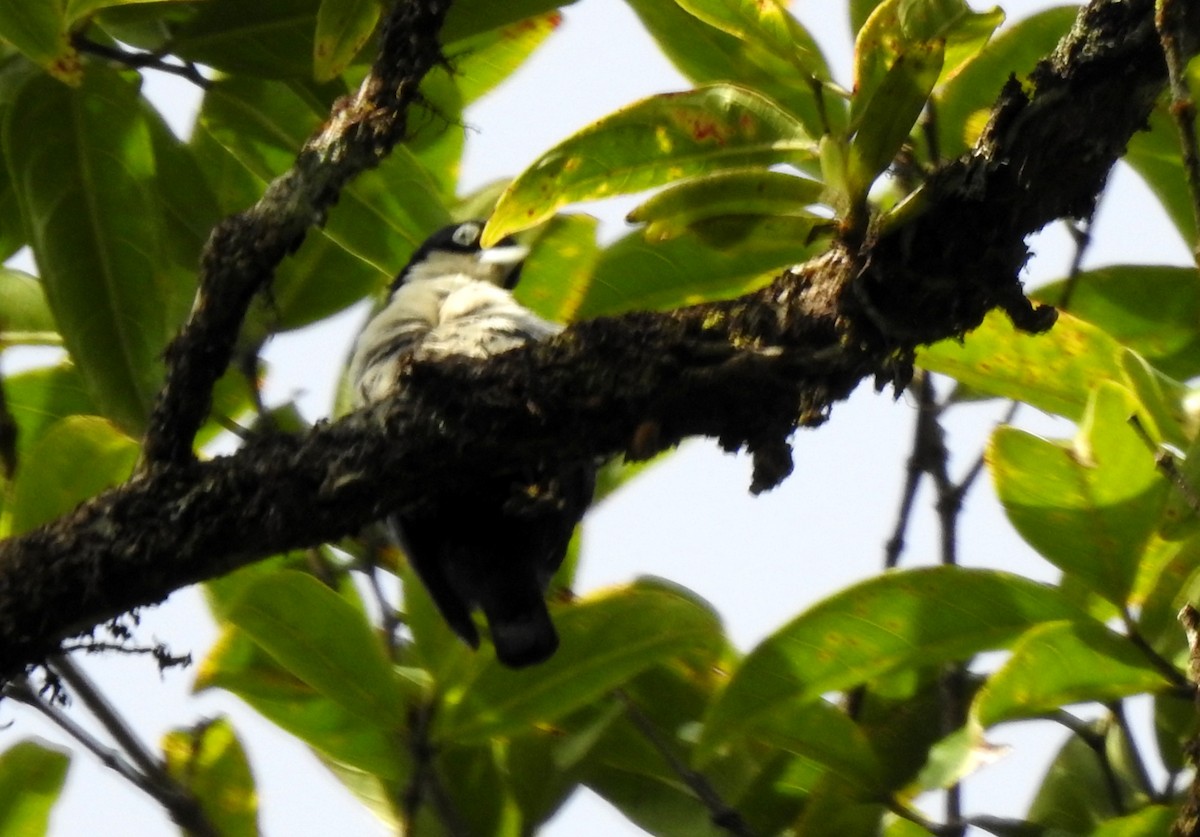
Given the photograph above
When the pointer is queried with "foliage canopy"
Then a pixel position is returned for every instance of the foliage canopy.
(757, 168)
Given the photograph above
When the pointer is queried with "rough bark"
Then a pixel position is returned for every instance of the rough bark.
(746, 372)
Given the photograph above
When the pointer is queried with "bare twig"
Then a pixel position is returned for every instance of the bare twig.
(240, 256)
(722, 815)
(425, 782)
(1164, 460)
(157, 784)
(142, 60)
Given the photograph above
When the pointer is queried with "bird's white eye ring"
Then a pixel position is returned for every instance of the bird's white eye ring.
(467, 235)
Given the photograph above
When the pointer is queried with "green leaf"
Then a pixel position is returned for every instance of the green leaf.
(914, 617)
(379, 220)
(266, 38)
(860, 13)
(324, 641)
(1088, 507)
(1163, 411)
(605, 640)
(1153, 309)
(189, 210)
(1154, 819)
(1061, 663)
(25, 317)
(707, 55)
(1055, 371)
(633, 274)
(50, 481)
(740, 192)
(965, 101)
(343, 26)
(765, 24)
(1076, 795)
(557, 274)
(1155, 156)
(78, 9)
(483, 61)
(891, 111)
(83, 165)
(40, 31)
(470, 17)
(238, 665)
(40, 397)
(32, 774)
(208, 760)
(650, 143)
(820, 732)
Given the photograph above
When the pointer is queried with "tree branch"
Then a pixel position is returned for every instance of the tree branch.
(241, 254)
(746, 372)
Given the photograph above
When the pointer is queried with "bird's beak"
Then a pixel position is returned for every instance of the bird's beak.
(506, 255)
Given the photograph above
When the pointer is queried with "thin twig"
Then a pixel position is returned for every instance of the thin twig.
(1164, 460)
(1165, 666)
(158, 785)
(721, 814)
(1081, 234)
(1117, 709)
(913, 472)
(107, 715)
(1168, 20)
(424, 778)
(1096, 742)
(142, 60)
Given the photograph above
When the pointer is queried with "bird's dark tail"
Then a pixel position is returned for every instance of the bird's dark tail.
(521, 630)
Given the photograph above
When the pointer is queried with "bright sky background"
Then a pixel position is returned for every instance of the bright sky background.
(760, 561)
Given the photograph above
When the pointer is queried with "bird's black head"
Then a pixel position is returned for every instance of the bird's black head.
(456, 250)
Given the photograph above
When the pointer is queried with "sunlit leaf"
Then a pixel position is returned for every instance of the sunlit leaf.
(633, 274)
(1154, 819)
(557, 275)
(32, 774)
(1077, 792)
(343, 26)
(650, 143)
(319, 637)
(483, 61)
(1155, 156)
(379, 220)
(25, 318)
(914, 617)
(765, 24)
(239, 665)
(40, 31)
(965, 101)
(1061, 663)
(705, 54)
(605, 640)
(891, 111)
(1153, 309)
(50, 481)
(470, 17)
(823, 734)
(84, 167)
(741, 192)
(1055, 371)
(40, 397)
(1090, 506)
(208, 760)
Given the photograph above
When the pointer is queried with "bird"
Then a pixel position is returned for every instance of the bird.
(494, 541)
